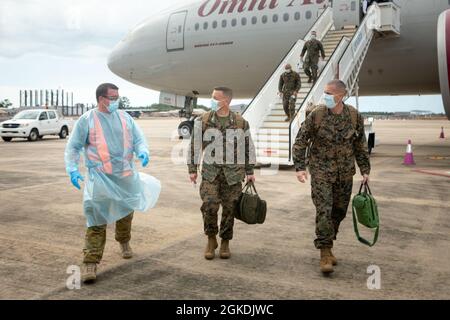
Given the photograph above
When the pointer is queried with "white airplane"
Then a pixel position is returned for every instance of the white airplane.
(186, 50)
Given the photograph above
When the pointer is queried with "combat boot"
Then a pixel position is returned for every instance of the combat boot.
(127, 253)
(333, 259)
(211, 247)
(287, 119)
(309, 79)
(225, 249)
(326, 266)
(88, 272)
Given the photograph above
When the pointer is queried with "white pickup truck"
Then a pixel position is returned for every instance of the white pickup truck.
(33, 125)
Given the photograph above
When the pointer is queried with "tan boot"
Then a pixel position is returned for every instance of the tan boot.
(127, 253)
(211, 246)
(225, 249)
(333, 259)
(88, 272)
(325, 262)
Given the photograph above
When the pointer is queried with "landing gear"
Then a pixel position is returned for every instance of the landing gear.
(185, 129)
(371, 142)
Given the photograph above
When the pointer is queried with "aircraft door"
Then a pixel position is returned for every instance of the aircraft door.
(175, 31)
(346, 13)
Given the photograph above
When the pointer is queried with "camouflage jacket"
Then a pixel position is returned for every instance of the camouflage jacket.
(314, 48)
(334, 145)
(289, 82)
(237, 142)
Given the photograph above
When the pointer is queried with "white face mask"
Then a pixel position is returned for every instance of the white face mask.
(313, 36)
(329, 101)
(214, 105)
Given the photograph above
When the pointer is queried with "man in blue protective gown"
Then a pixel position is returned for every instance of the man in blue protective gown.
(109, 138)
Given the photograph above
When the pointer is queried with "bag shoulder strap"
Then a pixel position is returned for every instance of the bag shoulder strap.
(240, 121)
(353, 116)
(206, 117)
(319, 113)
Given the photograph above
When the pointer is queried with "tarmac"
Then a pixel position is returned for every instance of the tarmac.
(42, 229)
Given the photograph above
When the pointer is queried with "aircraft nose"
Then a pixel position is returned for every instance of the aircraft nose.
(117, 59)
(140, 55)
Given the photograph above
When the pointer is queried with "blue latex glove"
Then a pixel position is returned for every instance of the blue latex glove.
(74, 177)
(143, 156)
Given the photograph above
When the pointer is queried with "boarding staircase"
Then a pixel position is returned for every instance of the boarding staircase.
(345, 49)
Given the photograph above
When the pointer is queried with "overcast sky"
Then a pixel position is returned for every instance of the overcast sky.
(48, 44)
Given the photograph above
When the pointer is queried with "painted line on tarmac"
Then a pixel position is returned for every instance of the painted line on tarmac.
(434, 173)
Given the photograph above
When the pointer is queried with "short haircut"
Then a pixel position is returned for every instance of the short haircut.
(102, 89)
(226, 91)
(338, 84)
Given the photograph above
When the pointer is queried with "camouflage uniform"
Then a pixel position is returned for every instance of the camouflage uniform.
(331, 161)
(95, 239)
(310, 64)
(290, 83)
(221, 182)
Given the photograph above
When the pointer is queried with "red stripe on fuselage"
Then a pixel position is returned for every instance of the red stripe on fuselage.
(447, 41)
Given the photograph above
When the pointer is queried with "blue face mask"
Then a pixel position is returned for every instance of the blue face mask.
(214, 105)
(329, 101)
(113, 106)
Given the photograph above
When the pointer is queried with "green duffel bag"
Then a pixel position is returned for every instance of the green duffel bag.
(251, 208)
(365, 212)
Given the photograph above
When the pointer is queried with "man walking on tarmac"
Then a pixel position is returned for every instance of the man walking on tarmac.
(288, 88)
(311, 63)
(109, 138)
(334, 134)
(224, 138)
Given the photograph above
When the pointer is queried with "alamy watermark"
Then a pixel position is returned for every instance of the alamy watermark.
(374, 280)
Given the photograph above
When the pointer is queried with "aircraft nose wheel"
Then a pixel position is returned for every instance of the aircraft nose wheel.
(185, 129)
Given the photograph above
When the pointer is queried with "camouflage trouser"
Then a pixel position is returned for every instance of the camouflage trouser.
(216, 193)
(331, 201)
(289, 104)
(311, 69)
(96, 238)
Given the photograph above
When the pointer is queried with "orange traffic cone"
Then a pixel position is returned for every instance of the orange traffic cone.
(409, 158)
(442, 136)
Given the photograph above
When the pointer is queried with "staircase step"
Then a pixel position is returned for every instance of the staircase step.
(340, 36)
(274, 131)
(272, 121)
(277, 125)
(276, 113)
(273, 145)
(273, 158)
(272, 139)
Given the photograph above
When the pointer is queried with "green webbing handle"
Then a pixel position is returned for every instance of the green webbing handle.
(249, 185)
(355, 223)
